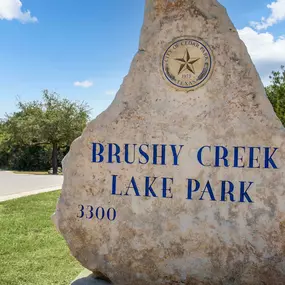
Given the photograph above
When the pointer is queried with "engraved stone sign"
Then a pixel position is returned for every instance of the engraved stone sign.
(181, 180)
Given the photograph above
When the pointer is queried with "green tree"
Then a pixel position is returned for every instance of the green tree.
(4, 150)
(276, 93)
(52, 121)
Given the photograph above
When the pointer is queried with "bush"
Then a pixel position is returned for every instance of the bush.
(28, 158)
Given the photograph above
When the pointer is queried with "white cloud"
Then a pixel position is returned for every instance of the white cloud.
(111, 92)
(84, 84)
(277, 15)
(266, 51)
(12, 10)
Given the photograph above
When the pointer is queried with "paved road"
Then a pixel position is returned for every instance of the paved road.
(18, 185)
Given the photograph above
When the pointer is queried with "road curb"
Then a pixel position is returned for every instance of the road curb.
(29, 193)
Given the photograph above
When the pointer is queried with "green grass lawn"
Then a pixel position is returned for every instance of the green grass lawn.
(32, 252)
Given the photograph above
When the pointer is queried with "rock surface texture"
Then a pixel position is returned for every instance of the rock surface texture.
(180, 213)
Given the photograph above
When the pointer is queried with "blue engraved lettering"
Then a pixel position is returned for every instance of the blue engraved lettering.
(162, 156)
(252, 157)
(116, 153)
(268, 158)
(192, 188)
(114, 185)
(175, 153)
(237, 158)
(243, 192)
(221, 156)
(148, 187)
(127, 154)
(133, 185)
(227, 191)
(96, 154)
(166, 188)
(208, 189)
(100, 217)
(199, 155)
(144, 154)
(111, 217)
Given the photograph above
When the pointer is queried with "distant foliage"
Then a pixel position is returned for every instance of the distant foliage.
(276, 93)
(40, 133)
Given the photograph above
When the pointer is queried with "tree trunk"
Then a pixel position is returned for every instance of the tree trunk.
(54, 158)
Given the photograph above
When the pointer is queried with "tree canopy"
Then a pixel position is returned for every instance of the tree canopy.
(52, 121)
(276, 93)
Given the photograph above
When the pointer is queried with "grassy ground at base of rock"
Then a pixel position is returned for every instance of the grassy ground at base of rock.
(32, 172)
(32, 252)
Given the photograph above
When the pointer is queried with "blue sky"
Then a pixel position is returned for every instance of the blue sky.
(83, 49)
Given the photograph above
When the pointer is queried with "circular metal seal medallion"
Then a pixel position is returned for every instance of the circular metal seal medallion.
(187, 63)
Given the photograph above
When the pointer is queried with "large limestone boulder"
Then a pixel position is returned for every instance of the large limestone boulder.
(181, 180)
